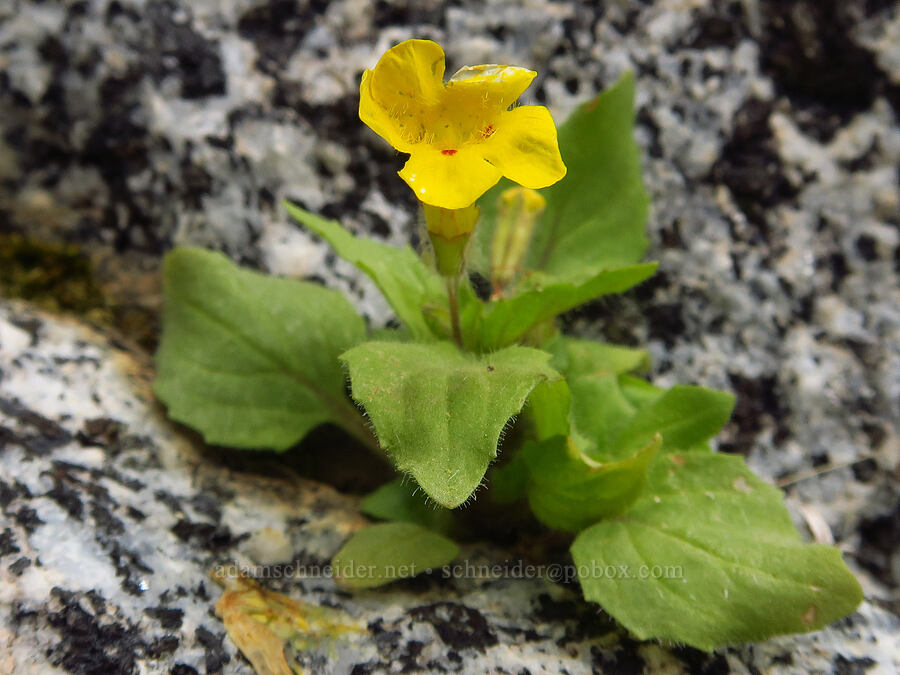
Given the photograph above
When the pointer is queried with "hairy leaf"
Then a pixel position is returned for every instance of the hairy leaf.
(386, 552)
(569, 491)
(251, 361)
(708, 556)
(398, 501)
(549, 408)
(406, 282)
(596, 215)
(639, 393)
(439, 412)
(685, 416)
(599, 412)
(507, 320)
(574, 357)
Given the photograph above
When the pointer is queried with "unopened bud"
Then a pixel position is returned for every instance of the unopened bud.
(518, 210)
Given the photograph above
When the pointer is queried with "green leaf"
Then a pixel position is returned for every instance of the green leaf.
(599, 406)
(508, 482)
(599, 412)
(549, 408)
(386, 552)
(720, 560)
(596, 215)
(574, 357)
(251, 361)
(569, 491)
(639, 393)
(397, 501)
(439, 412)
(685, 416)
(404, 280)
(507, 320)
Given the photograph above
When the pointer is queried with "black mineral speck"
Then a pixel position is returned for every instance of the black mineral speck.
(394, 12)
(458, 626)
(135, 514)
(625, 660)
(105, 521)
(47, 435)
(665, 322)
(276, 27)
(129, 566)
(169, 500)
(88, 645)
(177, 49)
(205, 535)
(880, 539)
(208, 506)
(385, 640)
(701, 662)
(97, 602)
(866, 247)
(169, 618)
(758, 402)
(750, 165)
(28, 518)
(216, 656)
(583, 620)
(809, 51)
(183, 669)
(721, 27)
(865, 470)
(163, 646)
(20, 565)
(102, 432)
(64, 494)
(8, 543)
(9, 492)
(844, 665)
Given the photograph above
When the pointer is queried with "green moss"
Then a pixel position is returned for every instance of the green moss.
(56, 277)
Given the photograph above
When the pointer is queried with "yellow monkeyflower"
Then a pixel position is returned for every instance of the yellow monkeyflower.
(461, 135)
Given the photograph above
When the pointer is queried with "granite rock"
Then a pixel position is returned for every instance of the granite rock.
(771, 148)
(113, 521)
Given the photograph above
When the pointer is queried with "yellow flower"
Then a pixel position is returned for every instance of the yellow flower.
(462, 135)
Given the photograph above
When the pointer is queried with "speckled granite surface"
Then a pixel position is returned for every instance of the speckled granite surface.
(112, 521)
(771, 151)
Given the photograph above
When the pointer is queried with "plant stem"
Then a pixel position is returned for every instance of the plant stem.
(453, 296)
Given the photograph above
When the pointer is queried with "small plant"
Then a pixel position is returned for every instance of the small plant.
(675, 541)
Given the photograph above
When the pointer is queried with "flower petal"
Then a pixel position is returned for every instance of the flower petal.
(410, 73)
(524, 147)
(495, 87)
(449, 181)
(377, 118)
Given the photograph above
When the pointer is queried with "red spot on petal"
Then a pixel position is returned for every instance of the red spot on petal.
(487, 131)
(449, 152)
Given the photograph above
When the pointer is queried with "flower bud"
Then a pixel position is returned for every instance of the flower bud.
(518, 210)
